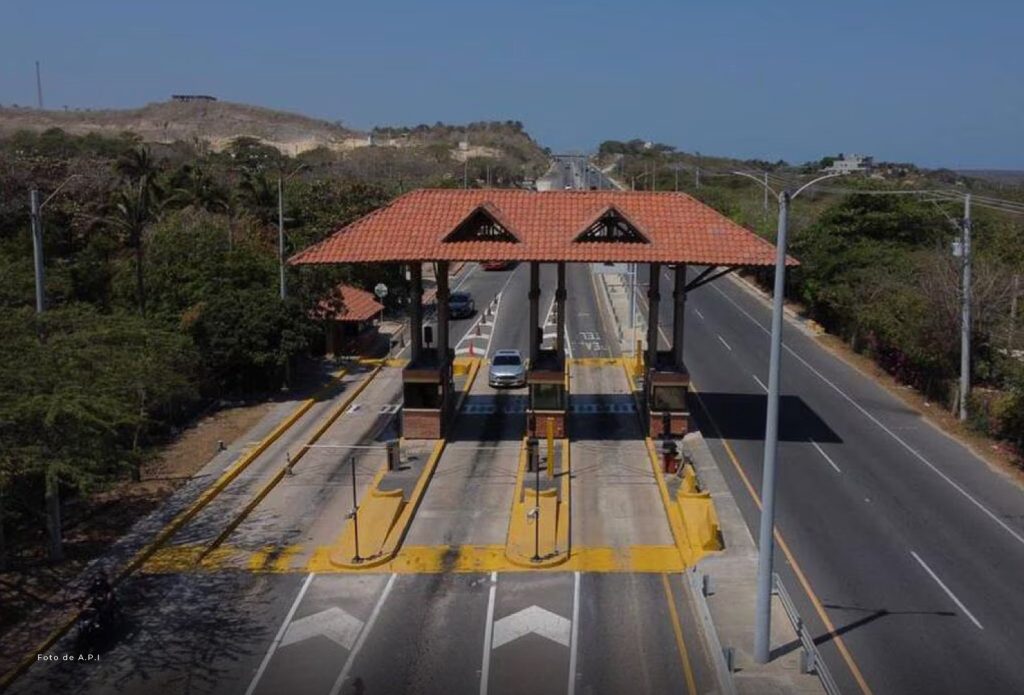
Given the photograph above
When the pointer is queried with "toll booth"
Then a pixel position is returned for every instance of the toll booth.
(666, 386)
(427, 389)
(547, 382)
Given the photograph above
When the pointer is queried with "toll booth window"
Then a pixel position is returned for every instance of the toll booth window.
(547, 397)
(671, 398)
(422, 395)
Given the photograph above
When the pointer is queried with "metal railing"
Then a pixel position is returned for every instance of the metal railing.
(811, 661)
(722, 659)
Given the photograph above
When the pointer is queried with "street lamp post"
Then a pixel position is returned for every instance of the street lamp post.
(36, 217)
(766, 545)
(280, 226)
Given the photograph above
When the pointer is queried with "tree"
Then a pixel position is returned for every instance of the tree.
(133, 207)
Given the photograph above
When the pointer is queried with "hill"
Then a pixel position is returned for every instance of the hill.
(213, 122)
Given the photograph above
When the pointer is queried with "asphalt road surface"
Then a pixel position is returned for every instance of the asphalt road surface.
(912, 546)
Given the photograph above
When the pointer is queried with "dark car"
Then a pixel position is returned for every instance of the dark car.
(460, 305)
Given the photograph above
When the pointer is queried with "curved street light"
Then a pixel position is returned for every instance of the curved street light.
(762, 626)
(36, 217)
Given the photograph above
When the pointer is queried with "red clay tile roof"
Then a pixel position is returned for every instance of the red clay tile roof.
(679, 229)
(357, 305)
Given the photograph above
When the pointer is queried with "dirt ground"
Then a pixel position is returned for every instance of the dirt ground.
(96, 522)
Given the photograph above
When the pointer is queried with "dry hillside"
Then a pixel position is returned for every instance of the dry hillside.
(214, 122)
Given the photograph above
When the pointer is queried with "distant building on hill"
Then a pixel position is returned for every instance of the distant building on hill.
(192, 97)
(849, 163)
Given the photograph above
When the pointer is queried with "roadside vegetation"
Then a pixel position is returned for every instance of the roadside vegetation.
(878, 271)
(162, 294)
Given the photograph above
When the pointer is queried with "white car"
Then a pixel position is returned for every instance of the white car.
(507, 369)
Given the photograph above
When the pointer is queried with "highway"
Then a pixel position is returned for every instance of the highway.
(230, 627)
(913, 547)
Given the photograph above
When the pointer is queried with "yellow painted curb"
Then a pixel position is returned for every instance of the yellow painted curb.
(388, 516)
(691, 516)
(417, 559)
(283, 471)
(522, 542)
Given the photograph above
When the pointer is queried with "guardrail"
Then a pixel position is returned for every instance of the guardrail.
(700, 587)
(811, 661)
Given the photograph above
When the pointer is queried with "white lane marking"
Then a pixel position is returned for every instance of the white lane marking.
(362, 636)
(468, 275)
(760, 383)
(574, 638)
(568, 343)
(905, 445)
(946, 589)
(727, 346)
(826, 456)
(333, 623)
(485, 667)
(700, 315)
(533, 619)
(280, 634)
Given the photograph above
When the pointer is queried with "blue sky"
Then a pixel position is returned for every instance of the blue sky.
(938, 83)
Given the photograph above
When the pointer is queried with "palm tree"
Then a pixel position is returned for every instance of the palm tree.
(134, 206)
(258, 195)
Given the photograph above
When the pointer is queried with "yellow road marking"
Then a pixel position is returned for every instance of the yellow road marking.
(416, 559)
(678, 630)
(324, 425)
(833, 633)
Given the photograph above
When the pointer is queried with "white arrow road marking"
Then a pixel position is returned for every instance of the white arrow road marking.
(280, 634)
(362, 636)
(334, 624)
(533, 619)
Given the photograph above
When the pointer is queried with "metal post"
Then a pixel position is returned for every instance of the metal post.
(280, 232)
(965, 323)
(560, 295)
(678, 314)
(416, 311)
(534, 299)
(632, 302)
(37, 249)
(39, 86)
(355, 509)
(762, 628)
(536, 520)
(653, 297)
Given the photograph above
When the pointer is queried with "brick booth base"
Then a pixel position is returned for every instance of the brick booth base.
(421, 423)
(537, 423)
(679, 424)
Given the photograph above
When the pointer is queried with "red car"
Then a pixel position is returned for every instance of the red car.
(497, 265)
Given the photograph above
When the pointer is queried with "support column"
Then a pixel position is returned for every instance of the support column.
(442, 314)
(416, 311)
(534, 297)
(653, 295)
(560, 317)
(678, 314)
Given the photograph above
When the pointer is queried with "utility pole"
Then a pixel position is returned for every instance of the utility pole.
(762, 630)
(965, 322)
(696, 172)
(677, 180)
(39, 87)
(37, 249)
(765, 207)
(280, 233)
(465, 173)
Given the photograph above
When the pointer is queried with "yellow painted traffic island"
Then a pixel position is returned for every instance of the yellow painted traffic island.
(385, 514)
(538, 529)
